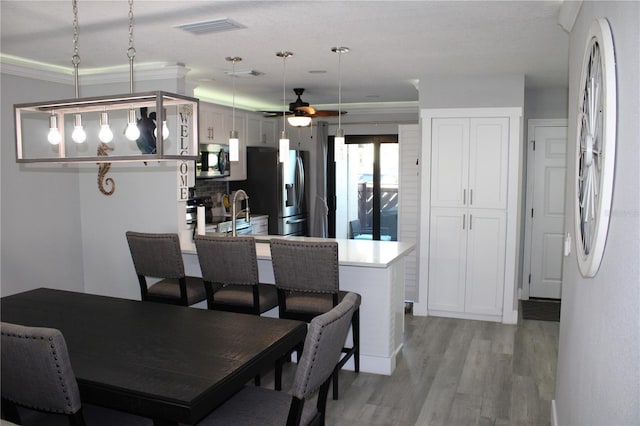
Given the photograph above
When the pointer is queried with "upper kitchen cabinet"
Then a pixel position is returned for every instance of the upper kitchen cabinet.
(261, 131)
(212, 125)
(470, 162)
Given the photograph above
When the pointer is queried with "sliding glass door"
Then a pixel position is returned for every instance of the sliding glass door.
(365, 189)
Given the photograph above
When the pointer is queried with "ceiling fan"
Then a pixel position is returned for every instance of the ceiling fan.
(301, 108)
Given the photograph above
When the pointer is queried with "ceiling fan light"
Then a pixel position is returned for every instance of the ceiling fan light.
(299, 120)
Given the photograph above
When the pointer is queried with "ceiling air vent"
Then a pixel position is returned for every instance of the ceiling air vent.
(213, 26)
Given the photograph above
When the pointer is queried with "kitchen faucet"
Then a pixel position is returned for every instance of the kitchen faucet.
(247, 217)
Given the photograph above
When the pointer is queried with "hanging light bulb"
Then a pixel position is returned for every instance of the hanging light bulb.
(283, 143)
(339, 146)
(132, 132)
(78, 135)
(105, 134)
(165, 128)
(54, 136)
(234, 142)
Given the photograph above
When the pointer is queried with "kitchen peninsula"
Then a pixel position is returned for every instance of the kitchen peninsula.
(375, 270)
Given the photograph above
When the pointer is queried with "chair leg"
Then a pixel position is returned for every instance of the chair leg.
(278, 375)
(355, 325)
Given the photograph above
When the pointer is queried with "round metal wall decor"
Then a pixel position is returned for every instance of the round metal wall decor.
(595, 147)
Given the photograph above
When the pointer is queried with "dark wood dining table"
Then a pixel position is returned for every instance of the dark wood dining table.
(172, 364)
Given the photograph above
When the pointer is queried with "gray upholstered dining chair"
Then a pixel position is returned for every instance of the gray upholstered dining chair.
(322, 347)
(307, 279)
(229, 268)
(38, 383)
(159, 256)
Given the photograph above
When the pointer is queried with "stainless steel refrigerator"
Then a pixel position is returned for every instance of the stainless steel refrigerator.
(277, 189)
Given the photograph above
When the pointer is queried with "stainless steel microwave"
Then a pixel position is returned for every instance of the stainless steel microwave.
(213, 161)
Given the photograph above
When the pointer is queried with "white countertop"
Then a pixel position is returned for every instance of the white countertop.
(363, 253)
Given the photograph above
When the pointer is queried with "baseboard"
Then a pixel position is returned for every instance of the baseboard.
(420, 309)
(510, 317)
(554, 413)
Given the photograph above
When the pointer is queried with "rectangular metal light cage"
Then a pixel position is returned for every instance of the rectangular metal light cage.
(32, 125)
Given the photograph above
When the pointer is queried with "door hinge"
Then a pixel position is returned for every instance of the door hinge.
(534, 144)
(529, 278)
(531, 212)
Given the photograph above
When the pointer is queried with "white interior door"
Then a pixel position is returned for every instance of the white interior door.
(547, 179)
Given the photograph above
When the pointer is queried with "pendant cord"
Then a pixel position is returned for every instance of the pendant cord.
(339, 89)
(131, 52)
(75, 59)
(233, 78)
(284, 95)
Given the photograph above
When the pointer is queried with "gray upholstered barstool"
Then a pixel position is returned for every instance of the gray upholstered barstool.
(229, 268)
(307, 278)
(159, 256)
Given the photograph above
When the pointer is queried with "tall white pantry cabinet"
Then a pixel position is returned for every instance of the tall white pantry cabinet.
(470, 188)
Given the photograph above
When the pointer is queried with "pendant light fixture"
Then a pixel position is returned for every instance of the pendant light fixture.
(59, 115)
(283, 144)
(338, 140)
(234, 142)
(131, 132)
(79, 135)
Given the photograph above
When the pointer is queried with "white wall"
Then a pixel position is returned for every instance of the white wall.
(58, 230)
(598, 371)
(40, 214)
(471, 92)
(546, 103)
(145, 200)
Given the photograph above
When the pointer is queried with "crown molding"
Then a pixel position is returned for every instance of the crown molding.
(14, 65)
(568, 13)
(92, 76)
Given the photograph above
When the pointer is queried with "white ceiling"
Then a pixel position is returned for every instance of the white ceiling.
(393, 43)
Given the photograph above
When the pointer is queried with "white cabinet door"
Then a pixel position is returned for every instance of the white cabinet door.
(449, 162)
(469, 162)
(485, 261)
(254, 130)
(212, 125)
(488, 162)
(269, 129)
(447, 254)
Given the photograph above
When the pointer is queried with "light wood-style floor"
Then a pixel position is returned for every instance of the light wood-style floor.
(456, 372)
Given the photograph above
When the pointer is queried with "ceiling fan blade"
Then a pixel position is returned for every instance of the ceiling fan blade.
(275, 113)
(328, 113)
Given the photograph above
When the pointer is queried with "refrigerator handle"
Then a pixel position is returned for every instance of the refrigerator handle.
(300, 178)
